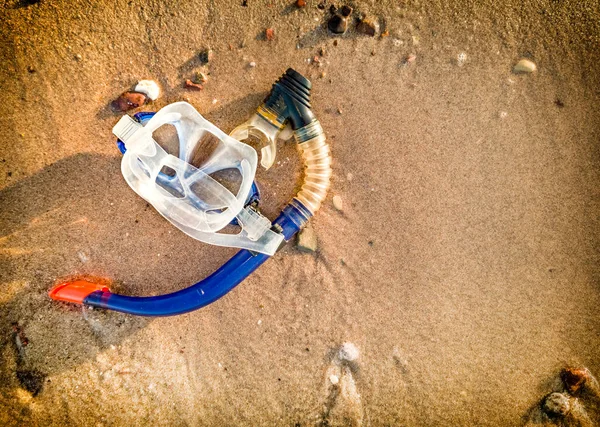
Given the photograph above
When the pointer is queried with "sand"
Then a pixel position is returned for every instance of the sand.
(463, 267)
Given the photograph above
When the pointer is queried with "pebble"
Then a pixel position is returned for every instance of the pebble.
(78, 57)
(348, 352)
(574, 378)
(191, 85)
(128, 101)
(206, 55)
(300, 3)
(503, 114)
(149, 88)
(346, 11)
(337, 203)
(200, 77)
(252, 64)
(269, 34)
(461, 58)
(307, 240)
(524, 66)
(368, 26)
(334, 379)
(410, 58)
(337, 24)
(557, 404)
(82, 257)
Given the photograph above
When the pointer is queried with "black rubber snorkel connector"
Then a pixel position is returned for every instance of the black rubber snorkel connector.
(289, 100)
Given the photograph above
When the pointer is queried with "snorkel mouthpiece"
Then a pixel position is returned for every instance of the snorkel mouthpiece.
(288, 102)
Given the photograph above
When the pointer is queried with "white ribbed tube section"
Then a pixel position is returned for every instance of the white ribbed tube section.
(317, 161)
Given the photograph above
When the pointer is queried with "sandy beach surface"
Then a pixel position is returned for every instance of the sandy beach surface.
(460, 277)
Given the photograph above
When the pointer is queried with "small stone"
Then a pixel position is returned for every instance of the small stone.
(30, 69)
(339, 111)
(149, 88)
(385, 33)
(200, 77)
(335, 42)
(349, 176)
(307, 240)
(348, 352)
(368, 26)
(410, 58)
(346, 11)
(82, 257)
(415, 40)
(206, 56)
(32, 381)
(337, 24)
(557, 404)
(252, 64)
(269, 34)
(128, 101)
(194, 86)
(323, 74)
(334, 379)
(461, 58)
(524, 66)
(503, 115)
(574, 378)
(300, 3)
(78, 57)
(397, 42)
(322, 51)
(337, 203)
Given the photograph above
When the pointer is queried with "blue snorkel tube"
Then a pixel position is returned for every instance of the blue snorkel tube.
(289, 101)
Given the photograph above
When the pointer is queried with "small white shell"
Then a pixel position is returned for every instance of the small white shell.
(148, 88)
(337, 203)
(348, 352)
(524, 66)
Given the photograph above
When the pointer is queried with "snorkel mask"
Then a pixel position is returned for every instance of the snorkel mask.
(187, 191)
(183, 190)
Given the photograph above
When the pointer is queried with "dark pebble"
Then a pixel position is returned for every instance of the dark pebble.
(337, 24)
(32, 381)
(346, 11)
(574, 378)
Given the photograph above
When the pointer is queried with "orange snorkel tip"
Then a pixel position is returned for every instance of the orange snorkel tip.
(75, 290)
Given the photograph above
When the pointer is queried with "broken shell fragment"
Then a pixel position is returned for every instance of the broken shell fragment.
(148, 88)
(307, 240)
(368, 26)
